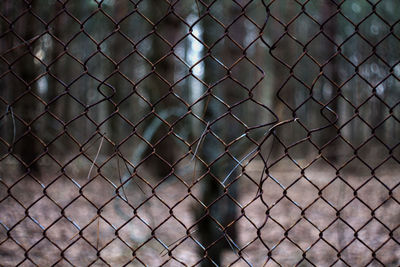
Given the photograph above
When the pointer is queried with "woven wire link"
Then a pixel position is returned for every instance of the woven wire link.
(212, 133)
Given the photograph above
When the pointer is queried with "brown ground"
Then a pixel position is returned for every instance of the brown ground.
(43, 246)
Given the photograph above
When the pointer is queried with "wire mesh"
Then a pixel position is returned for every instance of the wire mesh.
(199, 133)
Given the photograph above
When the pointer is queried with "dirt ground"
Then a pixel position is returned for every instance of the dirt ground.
(53, 219)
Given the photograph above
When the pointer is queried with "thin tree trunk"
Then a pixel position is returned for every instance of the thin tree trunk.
(331, 151)
(28, 147)
(6, 124)
(156, 88)
(331, 70)
(53, 86)
(116, 50)
(286, 92)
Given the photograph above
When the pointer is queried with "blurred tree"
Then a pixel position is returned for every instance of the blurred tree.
(158, 87)
(6, 47)
(217, 228)
(116, 47)
(331, 91)
(55, 89)
(26, 106)
(284, 50)
(331, 71)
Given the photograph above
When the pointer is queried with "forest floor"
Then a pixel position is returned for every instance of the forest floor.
(37, 228)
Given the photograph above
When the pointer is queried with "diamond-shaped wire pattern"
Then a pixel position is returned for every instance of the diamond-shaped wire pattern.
(199, 133)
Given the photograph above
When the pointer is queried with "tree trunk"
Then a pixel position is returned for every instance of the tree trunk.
(159, 91)
(27, 147)
(331, 70)
(116, 50)
(214, 236)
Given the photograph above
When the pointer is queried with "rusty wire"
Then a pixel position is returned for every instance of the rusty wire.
(119, 149)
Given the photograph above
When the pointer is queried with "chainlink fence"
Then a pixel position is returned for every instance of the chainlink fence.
(199, 133)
